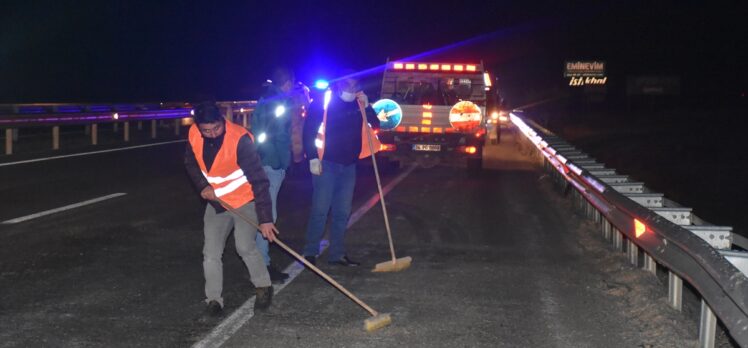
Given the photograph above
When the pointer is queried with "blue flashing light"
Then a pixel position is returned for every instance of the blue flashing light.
(321, 84)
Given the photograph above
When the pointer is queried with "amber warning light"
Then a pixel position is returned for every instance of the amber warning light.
(639, 228)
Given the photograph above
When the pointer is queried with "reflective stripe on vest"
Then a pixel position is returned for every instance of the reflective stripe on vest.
(219, 180)
(225, 176)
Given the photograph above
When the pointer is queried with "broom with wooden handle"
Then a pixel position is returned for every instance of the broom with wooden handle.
(394, 265)
(377, 320)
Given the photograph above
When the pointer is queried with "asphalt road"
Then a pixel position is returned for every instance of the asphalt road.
(499, 259)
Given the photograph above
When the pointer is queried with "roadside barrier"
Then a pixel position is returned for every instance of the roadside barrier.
(653, 230)
(14, 117)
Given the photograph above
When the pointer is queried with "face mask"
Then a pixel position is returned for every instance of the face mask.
(347, 96)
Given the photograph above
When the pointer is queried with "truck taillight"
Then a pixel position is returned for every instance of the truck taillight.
(387, 147)
(468, 149)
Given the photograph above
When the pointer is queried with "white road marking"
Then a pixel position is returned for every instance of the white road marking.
(229, 326)
(57, 210)
(375, 198)
(90, 153)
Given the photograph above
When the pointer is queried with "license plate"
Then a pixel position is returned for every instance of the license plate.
(426, 147)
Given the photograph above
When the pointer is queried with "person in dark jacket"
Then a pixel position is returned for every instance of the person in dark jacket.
(333, 151)
(222, 161)
(271, 126)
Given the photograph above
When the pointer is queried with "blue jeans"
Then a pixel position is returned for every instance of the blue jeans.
(333, 192)
(275, 176)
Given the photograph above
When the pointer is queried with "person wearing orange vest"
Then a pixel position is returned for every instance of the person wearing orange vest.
(333, 141)
(222, 161)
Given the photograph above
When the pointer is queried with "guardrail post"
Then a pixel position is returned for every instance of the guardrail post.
(617, 240)
(176, 126)
(650, 265)
(140, 125)
(675, 291)
(94, 134)
(115, 127)
(56, 138)
(153, 129)
(229, 113)
(126, 131)
(632, 250)
(244, 120)
(606, 229)
(707, 326)
(9, 141)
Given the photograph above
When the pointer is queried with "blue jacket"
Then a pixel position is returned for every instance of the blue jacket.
(271, 127)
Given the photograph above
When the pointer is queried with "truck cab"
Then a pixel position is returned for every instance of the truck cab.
(433, 112)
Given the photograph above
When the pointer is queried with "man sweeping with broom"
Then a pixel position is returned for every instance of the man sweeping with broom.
(332, 141)
(222, 161)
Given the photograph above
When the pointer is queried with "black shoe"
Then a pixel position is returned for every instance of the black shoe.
(277, 276)
(264, 298)
(214, 309)
(311, 259)
(345, 261)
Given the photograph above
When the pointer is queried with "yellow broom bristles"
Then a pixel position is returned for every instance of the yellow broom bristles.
(377, 322)
(397, 266)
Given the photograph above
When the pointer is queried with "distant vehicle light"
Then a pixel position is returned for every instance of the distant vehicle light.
(398, 66)
(503, 118)
(470, 68)
(192, 112)
(422, 66)
(410, 66)
(458, 67)
(116, 116)
(487, 79)
(446, 67)
(279, 110)
(321, 84)
(261, 138)
(495, 115)
(434, 67)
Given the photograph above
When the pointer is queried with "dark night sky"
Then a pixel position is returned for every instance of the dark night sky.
(53, 51)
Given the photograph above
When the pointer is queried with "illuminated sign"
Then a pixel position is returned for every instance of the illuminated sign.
(584, 69)
(583, 81)
(585, 73)
(389, 113)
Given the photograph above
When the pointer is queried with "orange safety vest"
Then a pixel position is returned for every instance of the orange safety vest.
(366, 132)
(225, 176)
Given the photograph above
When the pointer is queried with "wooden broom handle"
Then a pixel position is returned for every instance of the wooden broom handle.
(302, 260)
(379, 183)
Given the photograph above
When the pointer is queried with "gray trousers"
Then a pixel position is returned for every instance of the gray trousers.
(217, 229)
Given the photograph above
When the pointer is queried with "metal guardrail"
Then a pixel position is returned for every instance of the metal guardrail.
(639, 221)
(15, 116)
